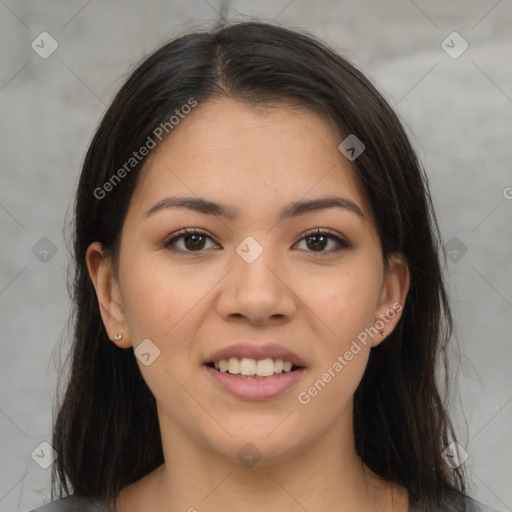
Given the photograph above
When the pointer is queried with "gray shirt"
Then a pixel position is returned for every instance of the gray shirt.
(73, 504)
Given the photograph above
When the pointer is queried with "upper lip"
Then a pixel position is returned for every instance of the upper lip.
(252, 351)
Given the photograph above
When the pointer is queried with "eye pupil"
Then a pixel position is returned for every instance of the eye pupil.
(322, 244)
(195, 241)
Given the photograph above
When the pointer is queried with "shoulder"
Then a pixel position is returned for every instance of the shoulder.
(73, 504)
(480, 507)
(455, 502)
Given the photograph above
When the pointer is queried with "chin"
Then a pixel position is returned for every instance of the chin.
(264, 446)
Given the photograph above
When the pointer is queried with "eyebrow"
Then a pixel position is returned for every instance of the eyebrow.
(294, 209)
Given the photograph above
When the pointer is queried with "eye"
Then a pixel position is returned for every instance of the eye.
(193, 240)
(319, 239)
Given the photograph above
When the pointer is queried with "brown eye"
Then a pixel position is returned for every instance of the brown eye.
(317, 241)
(193, 241)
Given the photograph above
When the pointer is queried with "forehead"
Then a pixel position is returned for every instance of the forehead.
(252, 158)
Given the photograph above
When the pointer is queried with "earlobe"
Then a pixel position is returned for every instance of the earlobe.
(101, 273)
(394, 293)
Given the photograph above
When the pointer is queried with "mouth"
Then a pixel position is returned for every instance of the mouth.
(255, 371)
(254, 380)
(248, 368)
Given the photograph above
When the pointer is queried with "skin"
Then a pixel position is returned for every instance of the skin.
(191, 304)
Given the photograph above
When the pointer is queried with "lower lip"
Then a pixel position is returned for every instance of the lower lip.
(255, 389)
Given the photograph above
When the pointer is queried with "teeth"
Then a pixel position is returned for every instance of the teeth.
(248, 367)
(234, 366)
(265, 367)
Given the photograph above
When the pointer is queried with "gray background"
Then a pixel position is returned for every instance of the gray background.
(459, 111)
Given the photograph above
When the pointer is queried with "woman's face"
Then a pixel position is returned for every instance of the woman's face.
(257, 282)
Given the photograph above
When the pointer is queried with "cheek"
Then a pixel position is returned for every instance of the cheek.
(155, 298)
(346, 300)
(330, 388)
(345, 305)
(160, 302)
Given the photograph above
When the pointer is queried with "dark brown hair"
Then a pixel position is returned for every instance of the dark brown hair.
(106, 431)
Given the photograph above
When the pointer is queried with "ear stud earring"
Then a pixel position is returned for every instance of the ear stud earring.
(118, 337)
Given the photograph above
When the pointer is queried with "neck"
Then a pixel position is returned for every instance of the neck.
(321, 475)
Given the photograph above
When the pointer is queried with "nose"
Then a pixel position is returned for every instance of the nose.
(259, 291)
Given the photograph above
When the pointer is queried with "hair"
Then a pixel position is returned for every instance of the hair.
(106, 431)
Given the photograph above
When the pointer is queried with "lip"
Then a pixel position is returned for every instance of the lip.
(255, 389)
(257, 352)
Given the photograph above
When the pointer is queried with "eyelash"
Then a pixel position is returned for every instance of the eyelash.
(342, 244)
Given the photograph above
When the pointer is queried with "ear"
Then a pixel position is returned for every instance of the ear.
(392, 300)
(105, 283)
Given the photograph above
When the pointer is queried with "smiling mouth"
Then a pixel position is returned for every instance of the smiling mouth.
(246, 368)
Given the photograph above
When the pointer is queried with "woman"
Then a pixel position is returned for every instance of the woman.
(259, 299)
